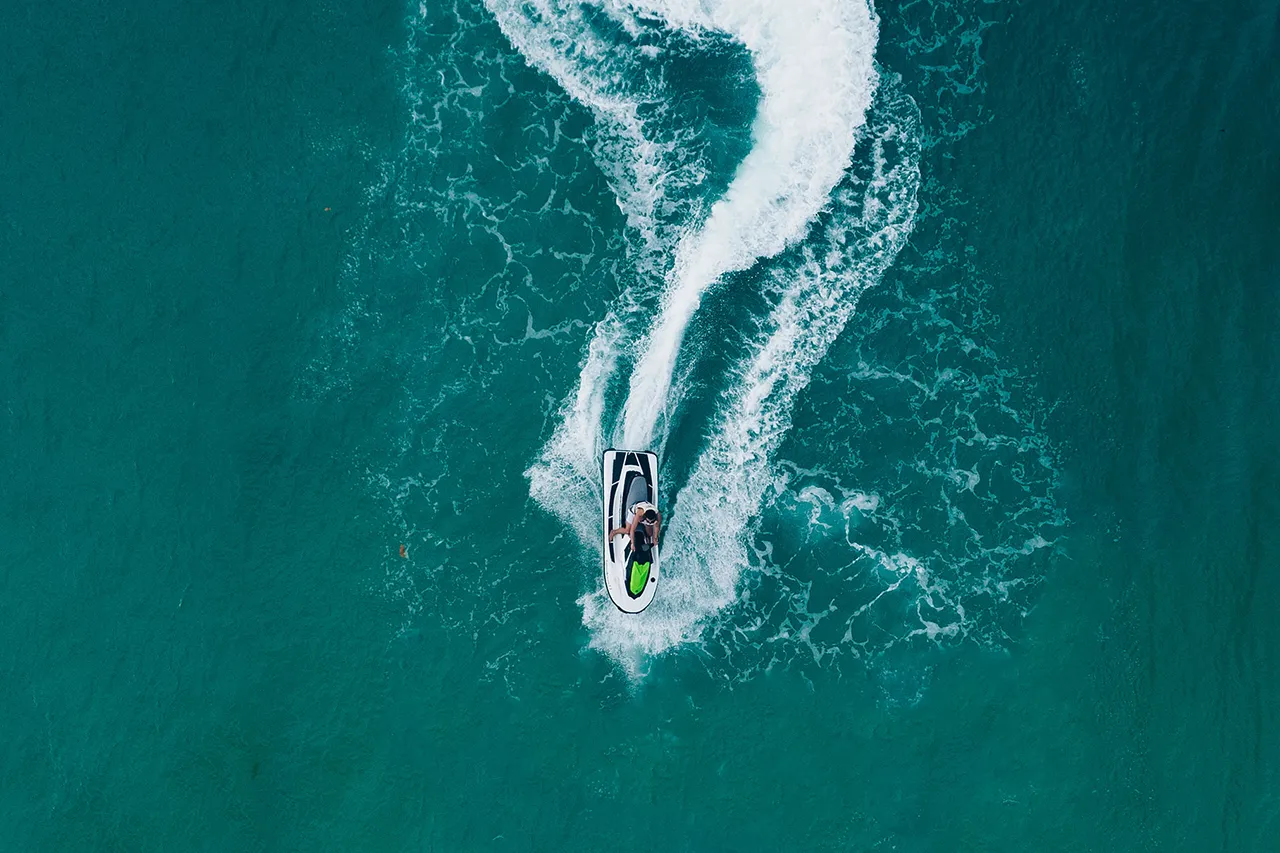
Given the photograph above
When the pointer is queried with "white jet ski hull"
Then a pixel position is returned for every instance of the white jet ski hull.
(631, 582)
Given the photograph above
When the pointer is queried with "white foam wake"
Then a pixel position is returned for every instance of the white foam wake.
(814, 64)
(705, 548)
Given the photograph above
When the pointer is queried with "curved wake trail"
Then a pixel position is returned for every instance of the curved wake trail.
(814, 63)
(814, 66)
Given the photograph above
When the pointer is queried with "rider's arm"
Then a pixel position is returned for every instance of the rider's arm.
(628, 529)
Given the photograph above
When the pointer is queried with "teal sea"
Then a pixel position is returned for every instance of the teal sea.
(953, 323)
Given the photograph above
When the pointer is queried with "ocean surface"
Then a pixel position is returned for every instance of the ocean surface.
(954, 324)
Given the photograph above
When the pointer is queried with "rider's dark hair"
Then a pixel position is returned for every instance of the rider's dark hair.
(650, 515)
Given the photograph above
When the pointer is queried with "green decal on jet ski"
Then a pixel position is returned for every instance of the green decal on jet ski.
(639, 577)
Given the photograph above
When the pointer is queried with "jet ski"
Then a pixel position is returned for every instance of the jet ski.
(630, 568)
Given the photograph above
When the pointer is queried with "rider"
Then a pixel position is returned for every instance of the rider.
(646, 524)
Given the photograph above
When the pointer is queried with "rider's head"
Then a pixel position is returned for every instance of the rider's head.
(650, 515)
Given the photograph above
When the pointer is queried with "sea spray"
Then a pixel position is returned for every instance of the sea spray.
(816, 73)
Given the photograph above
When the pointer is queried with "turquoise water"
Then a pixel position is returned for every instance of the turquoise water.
(954, 327)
